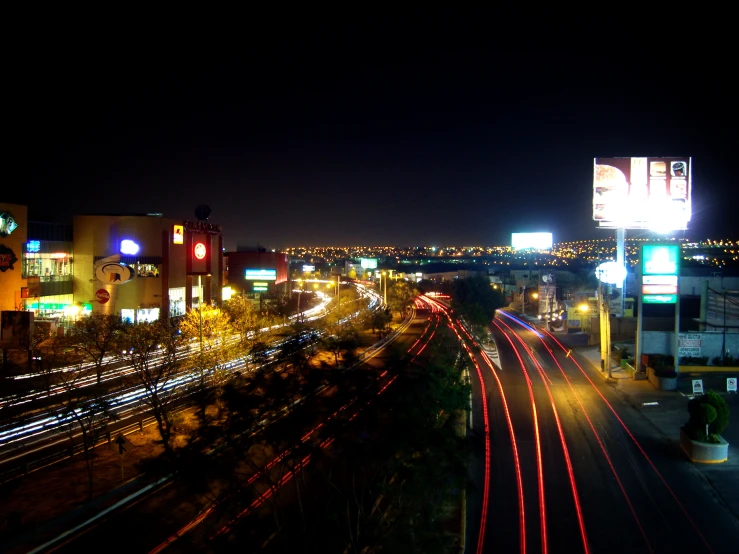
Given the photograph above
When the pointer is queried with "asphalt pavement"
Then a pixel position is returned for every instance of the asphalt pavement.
(667, 411)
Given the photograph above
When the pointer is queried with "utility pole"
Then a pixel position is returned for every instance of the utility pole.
(523, 300)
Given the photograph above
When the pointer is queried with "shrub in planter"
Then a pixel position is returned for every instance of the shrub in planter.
(709, 416)
(690, 360)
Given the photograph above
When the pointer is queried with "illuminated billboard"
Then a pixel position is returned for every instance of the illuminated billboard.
(368, 263)
(642, 193)
(536, 241)
(660, 273)
(260, 274)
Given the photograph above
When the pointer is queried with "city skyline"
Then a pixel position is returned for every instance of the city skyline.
(326, 138)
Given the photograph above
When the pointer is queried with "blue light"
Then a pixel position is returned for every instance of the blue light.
(33, 246)
(129, 247)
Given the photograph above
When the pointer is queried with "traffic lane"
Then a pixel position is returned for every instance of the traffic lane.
(672, 505)
(556, 520)
(503, 520)
(176, 506)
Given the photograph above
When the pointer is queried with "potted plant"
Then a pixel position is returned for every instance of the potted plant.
(700, 437)
(661, 372)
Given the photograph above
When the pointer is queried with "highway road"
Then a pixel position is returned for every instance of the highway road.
(176, 520)
(32, 436)
(561, 465)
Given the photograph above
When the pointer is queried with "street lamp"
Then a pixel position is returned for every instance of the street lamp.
(385, 294)
(300, 293)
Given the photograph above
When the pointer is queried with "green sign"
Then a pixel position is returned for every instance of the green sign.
(660, 259)
(660, 299)
(368, 263)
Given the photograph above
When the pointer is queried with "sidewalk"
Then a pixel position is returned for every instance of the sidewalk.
(667, 410)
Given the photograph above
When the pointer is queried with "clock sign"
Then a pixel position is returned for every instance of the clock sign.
(199, 250)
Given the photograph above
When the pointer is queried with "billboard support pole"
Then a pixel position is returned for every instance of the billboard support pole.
(621, 260)
(639, 346)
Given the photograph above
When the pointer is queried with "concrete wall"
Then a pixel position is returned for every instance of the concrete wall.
(661, 342)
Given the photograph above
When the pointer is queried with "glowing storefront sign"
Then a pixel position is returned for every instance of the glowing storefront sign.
(260, 287)
(660, 273)
(129, 247)
(199, 250)
(178, 234)
(260, 274)
(33, 246)
(660, 259)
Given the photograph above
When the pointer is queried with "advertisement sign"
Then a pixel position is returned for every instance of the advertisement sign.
(102, 296)
(689, 345)
(178, 234)
(660, 267)
(697, 387)
(260, 274)
(7, 224)
(113, 273)
(534, 241)
(7, 258)
(16, 329)
(547, 292)
(200, 252)
(731, 384)
(642, 193)
(368, 263)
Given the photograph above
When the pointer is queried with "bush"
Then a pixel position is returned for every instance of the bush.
(690, 360)
(709, 409)
(728, 360)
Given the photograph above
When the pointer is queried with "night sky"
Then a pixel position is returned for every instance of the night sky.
(434, 133)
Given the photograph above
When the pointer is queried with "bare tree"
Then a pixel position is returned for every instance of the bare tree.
(97, 337)
(84, 414)
(151, 349)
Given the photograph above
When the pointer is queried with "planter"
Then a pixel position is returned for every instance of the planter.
(661, 383)
(704, 452)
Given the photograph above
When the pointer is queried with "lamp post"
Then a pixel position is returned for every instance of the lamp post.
(384, 274)
(300, 293)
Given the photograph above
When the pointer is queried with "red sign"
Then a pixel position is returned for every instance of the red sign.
(200, 250)
(102, 296)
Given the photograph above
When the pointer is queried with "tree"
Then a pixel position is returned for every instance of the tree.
(343, 340)
(400, 295)
(97, 336)
(151, 349)
(246, 319)
(475, 300)
(209, 328)
(84, 413)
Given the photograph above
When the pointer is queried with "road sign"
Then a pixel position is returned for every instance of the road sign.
(121, 445)
(731, 384)
(697, 386)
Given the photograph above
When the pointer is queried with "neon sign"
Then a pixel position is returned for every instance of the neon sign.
(200, 251)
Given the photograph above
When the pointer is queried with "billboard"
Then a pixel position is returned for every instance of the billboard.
(260, 274)
(16, 329)
(368, 263)
(536, 241)
(547, 292)
(642, 193)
